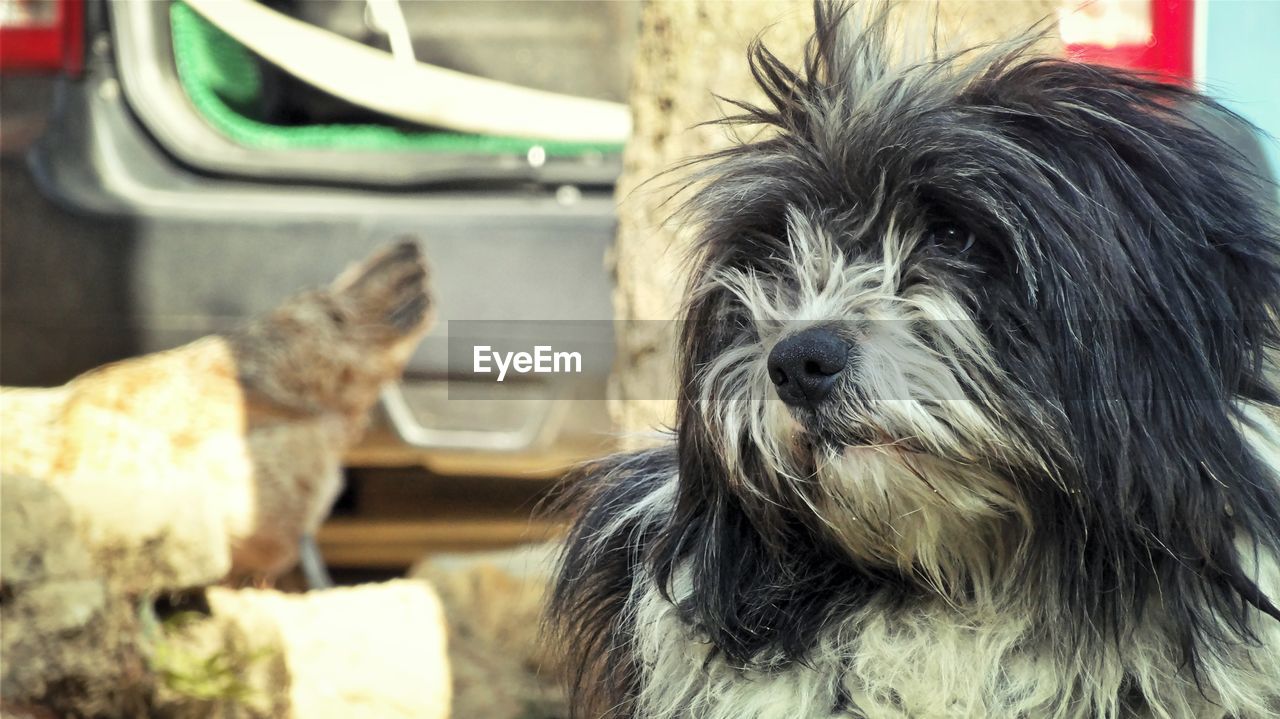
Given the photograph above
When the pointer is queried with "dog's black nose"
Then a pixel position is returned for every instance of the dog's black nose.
(804, 367)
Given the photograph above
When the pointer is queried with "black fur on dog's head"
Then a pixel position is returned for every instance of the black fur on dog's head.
(1058, 287)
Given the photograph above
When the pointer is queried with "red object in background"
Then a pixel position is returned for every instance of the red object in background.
(1168, 52)
(52, 47)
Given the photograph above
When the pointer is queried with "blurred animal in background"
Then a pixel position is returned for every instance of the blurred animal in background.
(972, 416)
(246, 430)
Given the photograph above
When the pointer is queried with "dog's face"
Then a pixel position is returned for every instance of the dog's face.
(855, 377)
(932, 308)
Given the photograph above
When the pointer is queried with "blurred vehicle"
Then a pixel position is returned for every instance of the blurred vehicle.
(159, 182)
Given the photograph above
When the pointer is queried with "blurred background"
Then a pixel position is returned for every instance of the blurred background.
(170, 169)
(161, 181)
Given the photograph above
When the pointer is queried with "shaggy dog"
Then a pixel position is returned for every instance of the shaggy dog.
(970, 414)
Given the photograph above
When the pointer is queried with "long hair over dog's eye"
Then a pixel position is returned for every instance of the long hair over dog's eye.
(950, 237)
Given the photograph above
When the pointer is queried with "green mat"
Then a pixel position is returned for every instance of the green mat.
(223, 80)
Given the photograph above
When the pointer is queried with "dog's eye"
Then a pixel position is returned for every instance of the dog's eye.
(951, 236)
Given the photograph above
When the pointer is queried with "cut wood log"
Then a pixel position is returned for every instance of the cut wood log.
(375, 650)
(70, 646)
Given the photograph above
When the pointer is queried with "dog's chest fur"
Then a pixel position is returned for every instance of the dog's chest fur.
(934, 660)
(929, 661)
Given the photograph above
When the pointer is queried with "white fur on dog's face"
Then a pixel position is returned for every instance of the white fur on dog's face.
(901, 450)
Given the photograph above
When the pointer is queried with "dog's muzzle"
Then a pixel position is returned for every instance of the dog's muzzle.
(806, 366)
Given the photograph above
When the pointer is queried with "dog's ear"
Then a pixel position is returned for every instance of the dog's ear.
(1126, 205)
(604, 554)
(1156, 287)
(1173, 211)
